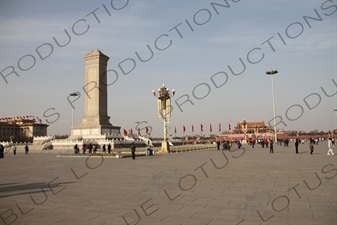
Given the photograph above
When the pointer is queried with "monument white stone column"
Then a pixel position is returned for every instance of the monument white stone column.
(95, 120)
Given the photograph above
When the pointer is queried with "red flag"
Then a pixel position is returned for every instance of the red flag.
(131, 131)
(147, 130)
(125, 132)
(175, 129)
(192, 128)
(201, 127)
(184, 129)
(210, 127)
(219, 126)
(138, 131)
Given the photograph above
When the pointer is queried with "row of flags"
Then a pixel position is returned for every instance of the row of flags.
(30, 117)
(130, 132)
(202, 127)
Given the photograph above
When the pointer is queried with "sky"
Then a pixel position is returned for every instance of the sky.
(214, 54)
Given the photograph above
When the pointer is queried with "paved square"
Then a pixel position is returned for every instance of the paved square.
(208, 187)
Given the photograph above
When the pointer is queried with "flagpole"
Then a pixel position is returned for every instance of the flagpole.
(230, 130)
(192, 132)
(183, 131)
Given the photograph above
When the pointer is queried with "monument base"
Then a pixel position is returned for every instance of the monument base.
(97, 130)
(165, 147)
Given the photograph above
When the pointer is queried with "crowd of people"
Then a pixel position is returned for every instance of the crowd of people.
(92, 148)
(265, 143)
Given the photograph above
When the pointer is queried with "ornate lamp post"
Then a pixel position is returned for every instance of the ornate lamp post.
(256, 130)
(272, 72)
(244, 128)
(164, 111)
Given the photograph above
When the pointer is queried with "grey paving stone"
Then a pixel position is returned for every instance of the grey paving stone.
(208, 187)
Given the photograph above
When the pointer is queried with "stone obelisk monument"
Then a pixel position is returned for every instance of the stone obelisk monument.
(95, 120)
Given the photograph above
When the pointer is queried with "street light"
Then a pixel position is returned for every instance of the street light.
(72, 111)
(164, 111)
(272, 72)
(256, 130)
(244, 128)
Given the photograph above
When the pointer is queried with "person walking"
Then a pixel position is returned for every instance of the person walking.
(109, 148)
(104, 148)
(83, 148)
(14, 149)
(2, 149)
(271, 146)
(330, 152)
(76, 150)
(333, 142)
(239, 144)
(297, 141)
(94, 148)
(26, 149)
(90, 148)
(311, 146)
(133, 150)
(224, 145)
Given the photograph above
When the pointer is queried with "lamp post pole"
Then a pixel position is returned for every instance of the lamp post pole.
(73, 108)
(334, 131)
(272, 72)
(164, 111)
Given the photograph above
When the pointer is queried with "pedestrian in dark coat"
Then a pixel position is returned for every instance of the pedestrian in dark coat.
(2, 149)
(218, 145)
(109, 148)
(26, 149)
(133, 150)
(297, 141)
(90, 148)
(271, 147)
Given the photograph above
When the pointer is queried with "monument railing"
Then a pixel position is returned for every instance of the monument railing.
(42, 138)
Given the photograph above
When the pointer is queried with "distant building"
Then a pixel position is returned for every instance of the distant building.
(245, 130)
(251, 127)
(22, 127)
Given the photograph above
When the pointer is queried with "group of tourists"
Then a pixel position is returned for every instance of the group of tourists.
(92, 148)
(2, 150)
(226, 145)
(265, 143)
